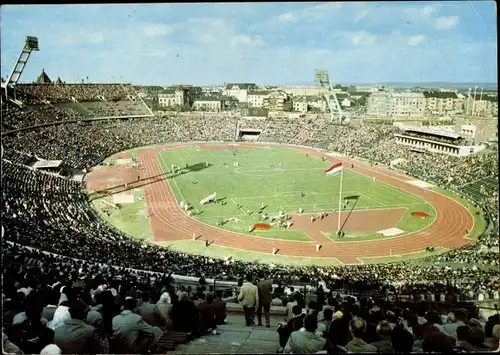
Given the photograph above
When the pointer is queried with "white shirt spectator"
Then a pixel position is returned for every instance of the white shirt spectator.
(60, 316)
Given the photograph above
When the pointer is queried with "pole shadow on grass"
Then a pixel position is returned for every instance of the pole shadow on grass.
(149, 180)
(349, 198)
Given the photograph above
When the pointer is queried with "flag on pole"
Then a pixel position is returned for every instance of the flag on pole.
(334, 169)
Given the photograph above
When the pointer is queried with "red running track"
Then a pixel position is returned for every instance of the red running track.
(169, 222)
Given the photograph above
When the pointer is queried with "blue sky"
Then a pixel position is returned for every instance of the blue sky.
(268, 43)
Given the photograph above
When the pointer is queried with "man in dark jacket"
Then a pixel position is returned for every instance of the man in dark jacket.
(185, 315)
(31, 335)
(293, 324)
(219, 308)
(265, 287)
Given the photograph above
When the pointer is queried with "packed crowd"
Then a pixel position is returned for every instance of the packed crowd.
(52, 307)
(335, 323)
(56, 93)
(51, 213)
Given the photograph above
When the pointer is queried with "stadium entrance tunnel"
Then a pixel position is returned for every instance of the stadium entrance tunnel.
(259, 171)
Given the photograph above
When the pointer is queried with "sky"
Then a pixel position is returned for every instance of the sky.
(263, 43)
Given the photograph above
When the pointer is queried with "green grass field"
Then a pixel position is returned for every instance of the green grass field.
(297, 173)
(276, 178)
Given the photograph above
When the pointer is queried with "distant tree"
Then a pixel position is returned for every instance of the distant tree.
(337, 86)
(351, 88)
(288, 106)
(313, 109)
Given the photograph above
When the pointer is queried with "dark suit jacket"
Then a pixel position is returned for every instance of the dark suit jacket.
(207, 316)
(293, 325)
(77, 337)
(185, 316)
(31, 338)
(147, 311)
(220, 310)
(265, 292)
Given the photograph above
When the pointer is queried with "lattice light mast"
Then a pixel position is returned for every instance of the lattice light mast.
(321, 77)
(31, 44)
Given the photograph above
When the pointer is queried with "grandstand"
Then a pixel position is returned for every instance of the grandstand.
(54, 238)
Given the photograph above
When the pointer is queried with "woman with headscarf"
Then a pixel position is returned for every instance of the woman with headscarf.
(163, 310)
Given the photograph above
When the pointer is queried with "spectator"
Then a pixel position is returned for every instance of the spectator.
(384, 331)
(31, 335)
(324, 325)
(460, 316)
(402, 341)
(185, 315)
(207, 315)
(357, 327)
(131, 334)
(437, 341)
(305, 342)
(289, 307)
(51, 349)
(265, 288)
(163, 311)
(338, 336)
(9, 347)
(147, 309)
(77, 337)
(219, 308)
(294, 324)
(249, 299)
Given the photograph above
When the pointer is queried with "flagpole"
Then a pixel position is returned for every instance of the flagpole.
(340, 200)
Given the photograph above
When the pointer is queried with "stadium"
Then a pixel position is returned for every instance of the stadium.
(98, 187)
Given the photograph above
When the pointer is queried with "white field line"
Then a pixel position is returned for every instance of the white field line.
(283, 209)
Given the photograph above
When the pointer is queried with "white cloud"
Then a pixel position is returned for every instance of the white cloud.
(362, 38)
(415, 40)
(320, 11)
(362, 15)
(418, 14)
(156, 30)
(246, 40)
(287, 17)
(445, 23)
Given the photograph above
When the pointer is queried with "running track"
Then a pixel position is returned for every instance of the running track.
(169, 222)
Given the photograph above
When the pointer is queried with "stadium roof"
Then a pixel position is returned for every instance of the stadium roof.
(433, 131)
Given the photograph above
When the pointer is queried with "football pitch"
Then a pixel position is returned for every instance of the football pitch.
(280, 179)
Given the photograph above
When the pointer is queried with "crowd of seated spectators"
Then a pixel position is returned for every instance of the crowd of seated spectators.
(344, 324)
(54, 307)
(52, 214)
(56, 93)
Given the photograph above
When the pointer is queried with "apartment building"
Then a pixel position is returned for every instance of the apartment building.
(300, 104)
(208, 103)
(172, 97)
(256, 98)
(483, 106)
(240, 91)
(275, 100)
(396, 104)
(407, 104)
(303, 90)
(441, 102)
(378, 104)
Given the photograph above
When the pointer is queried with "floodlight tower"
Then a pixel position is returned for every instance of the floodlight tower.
(321, 77)
(31, 44)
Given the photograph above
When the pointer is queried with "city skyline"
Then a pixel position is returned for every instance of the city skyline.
(271, 43)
